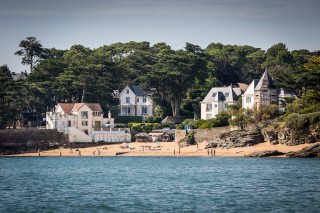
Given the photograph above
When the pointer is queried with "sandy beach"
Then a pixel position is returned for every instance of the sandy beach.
(164, 149)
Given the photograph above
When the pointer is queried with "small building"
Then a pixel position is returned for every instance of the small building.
(217, 100)
(135, 102)
(84, 122)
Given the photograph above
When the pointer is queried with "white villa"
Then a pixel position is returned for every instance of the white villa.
(135, 102)
(218, 100)
(260, 93)
(84, 122)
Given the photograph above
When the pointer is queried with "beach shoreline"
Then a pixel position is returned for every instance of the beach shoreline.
(165, 149)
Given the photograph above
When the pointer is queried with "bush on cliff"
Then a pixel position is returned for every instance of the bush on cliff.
(300, 123)
(220, 120)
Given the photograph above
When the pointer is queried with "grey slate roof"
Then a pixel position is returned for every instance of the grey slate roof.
(228, 94)
(138, 91)
(172, 119)
(18, 76)
(267, 77)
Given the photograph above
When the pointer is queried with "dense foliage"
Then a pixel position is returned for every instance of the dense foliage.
(301, 123)
(178, 79)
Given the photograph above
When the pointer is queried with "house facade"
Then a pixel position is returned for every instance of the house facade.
(260, 93)
(218, 100)
(135, 102)
(82, 122)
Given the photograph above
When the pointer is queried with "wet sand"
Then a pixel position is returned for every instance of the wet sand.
(165, 149)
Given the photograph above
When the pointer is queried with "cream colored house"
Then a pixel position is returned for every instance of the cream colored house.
(82, 122)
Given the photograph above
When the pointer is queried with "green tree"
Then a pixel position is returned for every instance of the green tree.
(6, 86)
(31, 52)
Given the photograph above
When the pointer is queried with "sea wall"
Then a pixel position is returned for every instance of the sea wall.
(29, 139)
(201, 135)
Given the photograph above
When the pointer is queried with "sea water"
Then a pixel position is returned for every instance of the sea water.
(158, 184)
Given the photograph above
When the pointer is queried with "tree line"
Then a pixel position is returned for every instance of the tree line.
(177, 79)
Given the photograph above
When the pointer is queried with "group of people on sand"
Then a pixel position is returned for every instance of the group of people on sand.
(94, 152)
(211, 152)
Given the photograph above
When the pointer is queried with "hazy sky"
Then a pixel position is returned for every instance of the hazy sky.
(94, 23)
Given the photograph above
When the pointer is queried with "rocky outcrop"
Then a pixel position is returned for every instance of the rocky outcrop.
(307, 152)
(16, 141)
(186, 141)
(268, 153)
(240, 138)
(277, 133)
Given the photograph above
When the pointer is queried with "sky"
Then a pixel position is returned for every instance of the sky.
(94, 23)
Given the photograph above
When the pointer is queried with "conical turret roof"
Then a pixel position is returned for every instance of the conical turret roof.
(265, 80)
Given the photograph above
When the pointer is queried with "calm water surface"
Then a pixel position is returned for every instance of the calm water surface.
(158, 184)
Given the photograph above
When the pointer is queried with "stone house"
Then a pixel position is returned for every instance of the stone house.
(262, 92)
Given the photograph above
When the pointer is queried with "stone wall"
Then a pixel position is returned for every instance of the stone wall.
(202, 134)
(211, 134)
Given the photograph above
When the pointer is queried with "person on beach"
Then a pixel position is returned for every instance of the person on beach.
(98, 152)
(214, 153)
(94, 153)
(79, 154)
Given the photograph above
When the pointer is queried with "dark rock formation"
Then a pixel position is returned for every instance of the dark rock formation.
(240, 138)
(16, 141)
(268, 153)
(277, 133)
(307, 152)
(212, 145)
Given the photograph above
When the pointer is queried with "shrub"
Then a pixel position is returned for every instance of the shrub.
(300, 123)
(152, 119)
(128, 119)
(146, 127)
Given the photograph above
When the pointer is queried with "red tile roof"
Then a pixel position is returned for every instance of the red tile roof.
(243, 86)
(95, 107)
(66, 107)
(69, 107)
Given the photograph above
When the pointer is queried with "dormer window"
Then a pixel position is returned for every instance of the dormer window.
(226, 94)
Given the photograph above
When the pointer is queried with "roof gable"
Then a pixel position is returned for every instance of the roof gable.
(223, 94)
(265, 80)
(252, 86)
(68, 108)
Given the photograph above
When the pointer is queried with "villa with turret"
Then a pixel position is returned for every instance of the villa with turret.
(261, 92)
